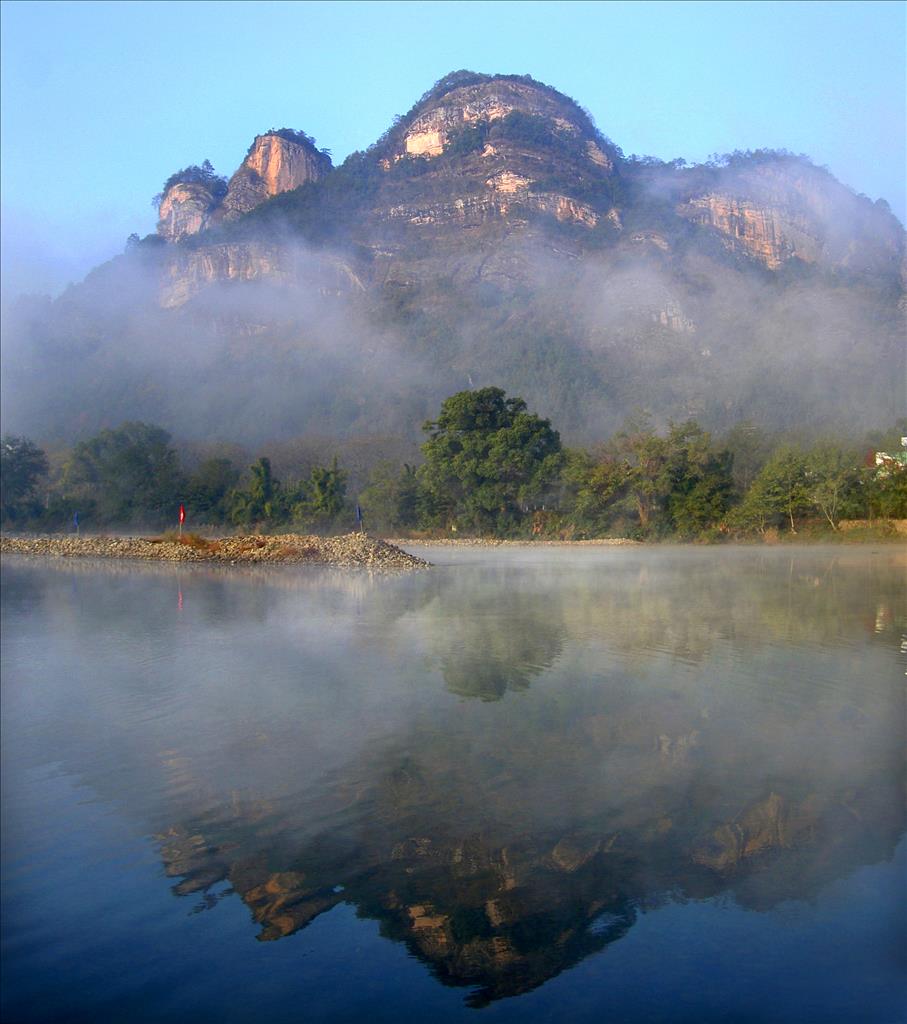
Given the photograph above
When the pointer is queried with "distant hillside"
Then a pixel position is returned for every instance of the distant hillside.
(493, 235)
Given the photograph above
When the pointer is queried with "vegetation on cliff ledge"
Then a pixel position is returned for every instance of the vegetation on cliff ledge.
(203, 175)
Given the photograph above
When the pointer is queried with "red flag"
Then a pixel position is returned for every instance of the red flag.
(182, 515)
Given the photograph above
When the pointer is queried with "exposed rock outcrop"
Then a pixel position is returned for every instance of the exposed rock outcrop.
(274, 164)
(489, 101)
(277, 161)
(767, 234)
(188, 272)
(786, 209)
(185, 209)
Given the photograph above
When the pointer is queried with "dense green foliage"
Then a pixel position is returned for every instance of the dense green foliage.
(127, 475)
(301, 138)
(488, 462)
(490, 467)
(318, 503)
(22, 465)
(195, 175)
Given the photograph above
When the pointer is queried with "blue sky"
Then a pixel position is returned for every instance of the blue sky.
(102, 101)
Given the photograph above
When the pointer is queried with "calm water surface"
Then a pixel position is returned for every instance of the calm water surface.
(577, 784)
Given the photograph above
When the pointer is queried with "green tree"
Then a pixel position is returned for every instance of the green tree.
(22, 464)
(487, 461)
(129, 475)
(323, 497)
(674, 484)
(700, 480)
(390, 500)
(891, 495)
(208, 489)
(263, 501)
(647, 466)
(831, 476)
(782, 487)
(600, 489)
(756, 511)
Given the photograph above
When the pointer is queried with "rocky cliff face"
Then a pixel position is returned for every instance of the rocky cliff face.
(187, 272)
(784, 210)
(430, 132)
(765, 234)
(484, 154)
(493, 234)
(480, 151)
(273, 165)
(185, 209)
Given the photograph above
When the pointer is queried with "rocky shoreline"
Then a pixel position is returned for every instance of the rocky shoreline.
(353, 550)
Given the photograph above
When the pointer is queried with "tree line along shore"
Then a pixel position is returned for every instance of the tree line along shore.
(488, 468)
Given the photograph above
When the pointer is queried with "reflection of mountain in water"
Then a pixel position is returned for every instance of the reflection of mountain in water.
(696, 724)
(508, 913)
(503, 845)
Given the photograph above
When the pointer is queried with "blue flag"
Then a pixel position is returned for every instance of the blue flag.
(358, 515)
(75, 520)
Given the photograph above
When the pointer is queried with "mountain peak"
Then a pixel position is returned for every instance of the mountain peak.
(467, 101)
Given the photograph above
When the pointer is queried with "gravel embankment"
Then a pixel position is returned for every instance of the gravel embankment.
(350, 550)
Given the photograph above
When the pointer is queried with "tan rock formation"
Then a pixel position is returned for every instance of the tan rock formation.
(185, 210)
(565, 209)
(509, 182)
(273, 165)
(187, 273)
(510, 191)
(429, 133)
(597, 156)
(766, 233)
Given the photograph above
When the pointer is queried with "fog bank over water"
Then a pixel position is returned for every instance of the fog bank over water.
(510, 762)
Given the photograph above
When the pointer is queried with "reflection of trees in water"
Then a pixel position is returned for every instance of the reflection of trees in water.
(504, 848)
(684, 603)
(504, 842)
(498, 642)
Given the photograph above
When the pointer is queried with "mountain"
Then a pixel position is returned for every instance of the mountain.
(492, 235)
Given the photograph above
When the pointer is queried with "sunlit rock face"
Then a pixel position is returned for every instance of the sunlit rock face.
(188, 272)
(273, 165)
(788, 210)
(185, 209)
(764, 234)
(432, 129)
(495, 152)
(495, 210)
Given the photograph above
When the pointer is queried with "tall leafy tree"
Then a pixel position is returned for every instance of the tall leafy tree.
(487, 461)
(700, 480)
(208, 488)
(22, 464)
(390, 500)
(129, 475)
(678, 483)
(781, 489)
(324, 496)
(263, 501)
(831, 475)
